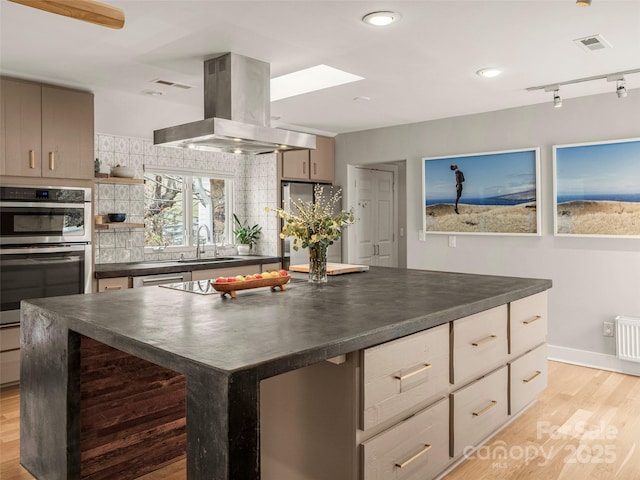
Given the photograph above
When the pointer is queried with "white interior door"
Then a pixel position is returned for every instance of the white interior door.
(375, 211)
(364, 215)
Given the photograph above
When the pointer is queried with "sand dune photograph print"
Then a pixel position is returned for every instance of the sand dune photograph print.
(597, 189)
(490, 193)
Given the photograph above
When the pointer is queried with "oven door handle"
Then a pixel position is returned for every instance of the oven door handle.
(53, 261)
(56, 249)
(53, 205)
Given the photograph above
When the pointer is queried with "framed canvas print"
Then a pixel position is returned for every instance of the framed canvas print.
(597, 189)
(485, 193)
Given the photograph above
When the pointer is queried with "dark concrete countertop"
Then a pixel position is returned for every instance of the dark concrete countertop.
(224, 347)
(276, 330)
(154, 267)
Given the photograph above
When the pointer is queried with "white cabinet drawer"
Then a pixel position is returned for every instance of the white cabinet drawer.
(479, 344)
(527, 323)
(9, 366)
(9, 338)
(477, 410)
(416, 448)
(527, 378)
(404, 373)
(111, 284)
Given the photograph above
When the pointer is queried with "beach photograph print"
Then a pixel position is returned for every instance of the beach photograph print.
(597, 189)
(486, 193)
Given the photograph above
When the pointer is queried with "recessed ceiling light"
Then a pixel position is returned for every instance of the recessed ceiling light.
(361, 99)
(309, 80)
(490, 72)
(153, 93)
(381, 19)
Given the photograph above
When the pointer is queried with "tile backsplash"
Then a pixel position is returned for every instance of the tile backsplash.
(255, 187)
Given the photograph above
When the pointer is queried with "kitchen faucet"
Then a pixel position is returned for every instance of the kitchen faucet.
(198, 238)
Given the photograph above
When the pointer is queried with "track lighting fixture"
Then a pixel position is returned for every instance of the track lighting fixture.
(583, 3)
(557, 101)
(618, 77)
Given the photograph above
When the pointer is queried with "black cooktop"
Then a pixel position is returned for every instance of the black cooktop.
(201, 287)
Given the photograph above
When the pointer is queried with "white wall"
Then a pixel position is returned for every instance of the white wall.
(594, 279)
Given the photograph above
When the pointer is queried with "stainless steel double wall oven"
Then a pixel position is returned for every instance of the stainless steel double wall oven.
(45, 245)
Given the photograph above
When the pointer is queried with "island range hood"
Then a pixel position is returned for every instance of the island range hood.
(237, 110)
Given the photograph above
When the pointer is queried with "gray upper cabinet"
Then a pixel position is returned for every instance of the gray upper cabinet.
(21, 128)
(310, 165)
(47, 131)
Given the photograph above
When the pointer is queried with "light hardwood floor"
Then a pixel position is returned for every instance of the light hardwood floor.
(585, 425)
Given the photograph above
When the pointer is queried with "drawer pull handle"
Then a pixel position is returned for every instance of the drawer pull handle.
(531, 320)
(485, 409)
(408, 461)
(527, 380)
(426, 366)
(113, 287)
(479, 343)
(32, 159)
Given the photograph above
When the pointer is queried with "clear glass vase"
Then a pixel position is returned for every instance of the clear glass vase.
(318, 263)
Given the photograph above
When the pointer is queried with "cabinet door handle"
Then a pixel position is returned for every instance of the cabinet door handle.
(488, 339)
(424, 367)
(113, 287)
(304, 168)
(486, 409)
(52, 161)
(527, 380)
(32, 159)
(426, 448)
(531, 320)
(315, 168)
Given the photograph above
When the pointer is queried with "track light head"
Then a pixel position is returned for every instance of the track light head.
(621, 89)
(557, 101)
(583, 3)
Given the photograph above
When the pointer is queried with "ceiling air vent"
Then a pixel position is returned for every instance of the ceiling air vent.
(592, 43)
(168, 83)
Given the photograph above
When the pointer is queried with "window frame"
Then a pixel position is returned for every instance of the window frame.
(187, 213)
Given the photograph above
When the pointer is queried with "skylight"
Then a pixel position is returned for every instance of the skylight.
(309, 80)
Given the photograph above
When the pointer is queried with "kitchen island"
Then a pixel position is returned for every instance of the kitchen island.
(221, 349)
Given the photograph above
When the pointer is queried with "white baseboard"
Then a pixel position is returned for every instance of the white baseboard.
(592, 359)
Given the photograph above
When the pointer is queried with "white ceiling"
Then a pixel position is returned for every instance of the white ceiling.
(421, 68)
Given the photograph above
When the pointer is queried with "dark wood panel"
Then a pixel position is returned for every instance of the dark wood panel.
(132, 414)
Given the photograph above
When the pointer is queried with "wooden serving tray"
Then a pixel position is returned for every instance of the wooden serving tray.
(232, 287)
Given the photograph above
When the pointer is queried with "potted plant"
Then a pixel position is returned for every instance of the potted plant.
(247, 236)
(315, 225)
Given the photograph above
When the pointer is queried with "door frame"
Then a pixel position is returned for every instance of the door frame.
(352, 193)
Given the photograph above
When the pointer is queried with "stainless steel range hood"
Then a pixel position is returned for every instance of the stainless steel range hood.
(237, 110)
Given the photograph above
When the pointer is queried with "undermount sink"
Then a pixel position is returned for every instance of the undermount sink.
(205, 260)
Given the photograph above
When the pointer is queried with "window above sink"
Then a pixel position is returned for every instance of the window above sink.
(178, 202)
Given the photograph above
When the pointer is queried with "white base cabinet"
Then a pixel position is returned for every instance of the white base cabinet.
(406, 409)
(477, 410)
(527, 378)
(412, 449)
(9, 355)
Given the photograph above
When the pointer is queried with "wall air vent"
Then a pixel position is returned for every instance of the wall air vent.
(592, 43)
(168, 83)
